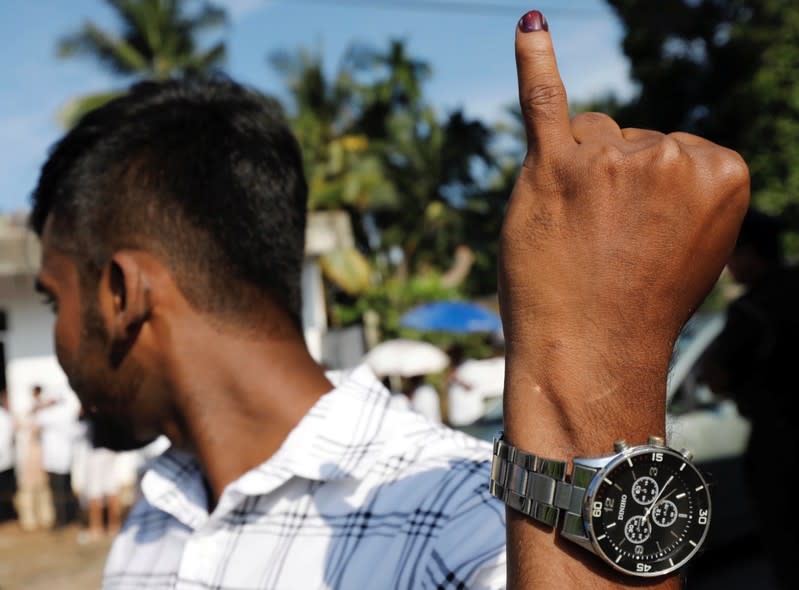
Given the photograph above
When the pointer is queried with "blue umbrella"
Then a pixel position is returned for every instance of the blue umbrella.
(460, 317)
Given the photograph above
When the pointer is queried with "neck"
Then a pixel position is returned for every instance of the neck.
(238, 398)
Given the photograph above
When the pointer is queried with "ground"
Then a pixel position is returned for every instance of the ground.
(49, 560)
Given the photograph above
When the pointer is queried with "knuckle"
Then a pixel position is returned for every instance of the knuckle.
(543, 100)
(668, 150)
(610, 158)
(733, 172)
(641, 139)
(734, 168)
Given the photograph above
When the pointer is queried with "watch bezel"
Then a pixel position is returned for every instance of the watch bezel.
(593, 489)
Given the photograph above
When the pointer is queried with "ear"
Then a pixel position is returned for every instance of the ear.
(129, 293)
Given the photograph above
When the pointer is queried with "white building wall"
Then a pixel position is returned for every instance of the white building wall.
(28, 341)
(314, 315)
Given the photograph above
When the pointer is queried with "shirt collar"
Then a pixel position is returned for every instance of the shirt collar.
(341, 436)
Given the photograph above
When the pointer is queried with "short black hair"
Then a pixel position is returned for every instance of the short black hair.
(206, 174)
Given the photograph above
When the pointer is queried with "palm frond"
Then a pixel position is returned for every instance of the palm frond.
(92, 40)
(157, 38)
(73, 111)
(210, 16)
(212, 58)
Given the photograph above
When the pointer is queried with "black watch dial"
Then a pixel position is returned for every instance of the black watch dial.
(650, 512)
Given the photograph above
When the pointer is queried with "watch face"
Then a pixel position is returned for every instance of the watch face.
(649, 512)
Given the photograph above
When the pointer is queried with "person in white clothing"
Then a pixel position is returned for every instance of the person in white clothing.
(475, 387)
(424, 399)
(34, 499)
(57, 420)
(102, 489)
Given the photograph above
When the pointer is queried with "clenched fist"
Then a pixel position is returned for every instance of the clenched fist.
(612, 239)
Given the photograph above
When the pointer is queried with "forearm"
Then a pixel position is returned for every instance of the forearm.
(569, 398)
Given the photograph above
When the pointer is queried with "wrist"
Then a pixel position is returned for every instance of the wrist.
(574, 396)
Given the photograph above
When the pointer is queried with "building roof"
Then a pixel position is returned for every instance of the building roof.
(20, 251)
(19, 247)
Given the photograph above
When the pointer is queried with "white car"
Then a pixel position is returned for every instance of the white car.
(697, 419)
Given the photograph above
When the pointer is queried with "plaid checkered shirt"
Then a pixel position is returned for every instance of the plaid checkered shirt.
(363, 494)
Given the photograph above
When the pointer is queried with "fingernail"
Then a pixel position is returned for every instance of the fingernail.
(533, 21)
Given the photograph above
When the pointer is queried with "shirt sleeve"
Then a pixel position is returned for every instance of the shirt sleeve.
(470, 551)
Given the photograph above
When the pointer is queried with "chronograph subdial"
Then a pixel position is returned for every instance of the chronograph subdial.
(645, 490)
(637, 530)
(665, 513)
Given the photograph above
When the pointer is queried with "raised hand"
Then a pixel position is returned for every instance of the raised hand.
(611, 240)
(612, 236)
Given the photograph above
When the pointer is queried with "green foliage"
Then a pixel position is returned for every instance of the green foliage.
(158, 39)
(391, 298)
(724, 69)
(72, 112)
(416, 185)
(343, 165)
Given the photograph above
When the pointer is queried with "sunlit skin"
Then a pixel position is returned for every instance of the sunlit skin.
(611, 239)
(229, 395)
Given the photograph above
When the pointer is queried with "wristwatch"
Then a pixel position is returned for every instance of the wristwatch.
(644, 510)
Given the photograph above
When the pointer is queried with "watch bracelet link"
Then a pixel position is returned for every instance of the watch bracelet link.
(538, 487)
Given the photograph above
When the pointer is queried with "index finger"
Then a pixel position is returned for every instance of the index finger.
(542, 95)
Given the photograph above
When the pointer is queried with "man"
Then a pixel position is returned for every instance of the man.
(753, 361)
(34, 497)
(173, 218)
(101, 489)
(180, 209)
(424, 398)
(56, 421)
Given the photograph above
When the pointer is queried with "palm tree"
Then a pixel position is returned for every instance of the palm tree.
(157, 40)
(344, 172)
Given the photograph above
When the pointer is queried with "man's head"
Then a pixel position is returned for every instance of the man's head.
(36, 391)
(758, 249)
(203, 179)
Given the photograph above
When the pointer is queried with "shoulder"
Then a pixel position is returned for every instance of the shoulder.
(437, 478)
(421, 458)
(409, 434)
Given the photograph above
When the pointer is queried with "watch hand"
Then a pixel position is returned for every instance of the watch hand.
(660, 501)
(657, 499)
(664, 498)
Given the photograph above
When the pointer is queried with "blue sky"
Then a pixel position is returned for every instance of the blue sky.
(468, 44)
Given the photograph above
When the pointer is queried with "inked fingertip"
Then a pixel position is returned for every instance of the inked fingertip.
(533, 21)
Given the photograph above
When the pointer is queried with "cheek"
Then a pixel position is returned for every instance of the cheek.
(67, 339)
(74, 351)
